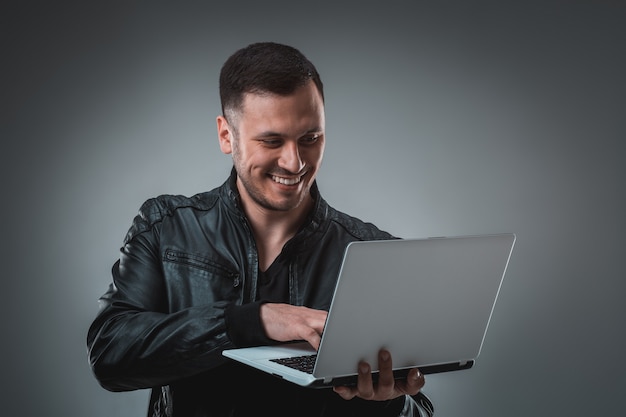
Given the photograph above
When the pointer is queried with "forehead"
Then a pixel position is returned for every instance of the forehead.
(304, 107)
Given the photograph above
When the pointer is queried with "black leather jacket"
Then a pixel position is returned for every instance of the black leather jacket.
(184, 260)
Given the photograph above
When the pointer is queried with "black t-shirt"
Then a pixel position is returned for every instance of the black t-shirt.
(274, 283)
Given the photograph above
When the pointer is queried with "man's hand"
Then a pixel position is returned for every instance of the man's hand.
(387, 387)
(285, 323)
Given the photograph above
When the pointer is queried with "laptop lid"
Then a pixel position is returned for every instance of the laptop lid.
(428, 301)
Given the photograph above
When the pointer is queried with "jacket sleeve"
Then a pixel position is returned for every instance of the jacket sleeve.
(134, 342)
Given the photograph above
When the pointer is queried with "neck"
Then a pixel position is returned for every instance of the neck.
(275, 223)
(272, 229)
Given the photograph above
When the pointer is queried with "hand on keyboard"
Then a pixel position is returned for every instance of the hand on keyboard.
(286, 323)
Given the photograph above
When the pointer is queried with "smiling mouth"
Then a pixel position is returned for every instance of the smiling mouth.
(287, 181)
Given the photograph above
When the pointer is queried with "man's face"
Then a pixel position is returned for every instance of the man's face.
(277, 144)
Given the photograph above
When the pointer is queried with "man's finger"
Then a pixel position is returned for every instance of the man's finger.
(345, 392)
(313, 337)
(417, 380)
(365, 385)
(414, 382)
(386, 381)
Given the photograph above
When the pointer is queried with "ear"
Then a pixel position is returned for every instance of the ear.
(225, 135)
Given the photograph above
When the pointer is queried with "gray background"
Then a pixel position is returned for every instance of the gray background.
(443, 118)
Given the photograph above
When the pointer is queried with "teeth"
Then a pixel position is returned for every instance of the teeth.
(286, 181)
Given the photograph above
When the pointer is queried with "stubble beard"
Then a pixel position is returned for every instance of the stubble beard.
(256, 194)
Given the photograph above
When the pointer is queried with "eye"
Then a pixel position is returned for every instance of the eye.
(271, 142)
(309, 140)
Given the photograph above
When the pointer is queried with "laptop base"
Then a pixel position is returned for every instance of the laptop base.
(351, 380)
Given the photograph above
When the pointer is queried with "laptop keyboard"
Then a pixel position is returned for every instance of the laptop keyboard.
(303, 363)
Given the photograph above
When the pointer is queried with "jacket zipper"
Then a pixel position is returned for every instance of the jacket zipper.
(203, 264)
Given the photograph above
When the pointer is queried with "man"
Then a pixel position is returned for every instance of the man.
(249, 263)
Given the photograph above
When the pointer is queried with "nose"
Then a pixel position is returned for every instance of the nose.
(290, 158)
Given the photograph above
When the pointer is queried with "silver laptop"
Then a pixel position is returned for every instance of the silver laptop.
(428, 301)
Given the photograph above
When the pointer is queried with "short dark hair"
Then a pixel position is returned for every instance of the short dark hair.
(264, 67)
